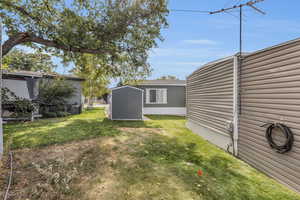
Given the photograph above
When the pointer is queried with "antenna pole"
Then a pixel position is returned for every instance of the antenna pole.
(240, 6)
(241, 29)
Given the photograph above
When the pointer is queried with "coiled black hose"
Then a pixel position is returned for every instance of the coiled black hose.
(288, 135)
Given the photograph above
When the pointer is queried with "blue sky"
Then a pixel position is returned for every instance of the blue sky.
(193, 39)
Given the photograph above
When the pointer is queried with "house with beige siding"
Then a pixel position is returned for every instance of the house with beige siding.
(241, 104)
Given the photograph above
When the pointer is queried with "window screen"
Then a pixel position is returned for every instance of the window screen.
(153, 96)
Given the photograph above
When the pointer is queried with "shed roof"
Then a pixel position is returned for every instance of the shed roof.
(126, 86)
(163, 82)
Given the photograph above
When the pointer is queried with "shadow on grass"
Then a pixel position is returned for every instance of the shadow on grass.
(165, 117)
(90, 124)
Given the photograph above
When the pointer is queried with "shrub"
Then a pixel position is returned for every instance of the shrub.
(62, 114)
(55, 92)
(49, 114)
(19, 106)
(53, 96)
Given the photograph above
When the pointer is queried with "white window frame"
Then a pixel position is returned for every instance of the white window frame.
(164, 98)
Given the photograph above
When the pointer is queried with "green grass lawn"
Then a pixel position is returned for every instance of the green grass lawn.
(155, 159)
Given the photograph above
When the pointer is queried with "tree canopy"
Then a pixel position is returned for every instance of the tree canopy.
(20, 60)
(118, 31)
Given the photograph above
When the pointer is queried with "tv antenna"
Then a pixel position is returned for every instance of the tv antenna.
(250, 4)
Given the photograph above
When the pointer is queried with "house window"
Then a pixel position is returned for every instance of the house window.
(156, 96)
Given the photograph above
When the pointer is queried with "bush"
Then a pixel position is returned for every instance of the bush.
(19, 106)
(55, 92)
(53, 97)
(62, 114)
(49, 114)
(55, 114)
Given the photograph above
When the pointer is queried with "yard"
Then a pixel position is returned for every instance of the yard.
(89, 157)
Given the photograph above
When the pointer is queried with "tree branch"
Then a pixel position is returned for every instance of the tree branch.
(21, 38)
(17, 39)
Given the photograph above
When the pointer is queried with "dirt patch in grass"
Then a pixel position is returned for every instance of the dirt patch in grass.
(140, 163)
(47, 173)
(66, 171)
(106, 168)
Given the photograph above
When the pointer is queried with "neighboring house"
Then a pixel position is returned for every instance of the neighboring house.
(231, 102)
(163, 97)
(25, 84)
(126, 103)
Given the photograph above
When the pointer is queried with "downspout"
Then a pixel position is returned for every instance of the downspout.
(236, 64)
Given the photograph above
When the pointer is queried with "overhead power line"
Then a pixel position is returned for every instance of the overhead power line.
(193, 11)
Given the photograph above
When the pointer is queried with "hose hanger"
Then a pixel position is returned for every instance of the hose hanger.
(287, 146)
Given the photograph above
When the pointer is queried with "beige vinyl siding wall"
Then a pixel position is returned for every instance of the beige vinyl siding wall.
(210, 96)
(270, 92)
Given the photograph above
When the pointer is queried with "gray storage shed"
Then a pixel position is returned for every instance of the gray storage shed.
(126, 103)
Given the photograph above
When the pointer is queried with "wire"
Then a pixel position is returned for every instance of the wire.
(10, 176)
(287, 146)
(190, 11)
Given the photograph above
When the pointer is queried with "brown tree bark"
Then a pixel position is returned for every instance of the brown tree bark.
(14, 41)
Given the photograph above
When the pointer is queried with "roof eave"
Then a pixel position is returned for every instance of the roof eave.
(153, 84)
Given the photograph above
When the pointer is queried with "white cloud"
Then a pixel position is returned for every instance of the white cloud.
(201, 42)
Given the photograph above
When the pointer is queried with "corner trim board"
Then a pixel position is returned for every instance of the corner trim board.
(236, 65)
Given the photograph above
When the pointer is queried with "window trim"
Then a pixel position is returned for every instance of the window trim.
(156, 89)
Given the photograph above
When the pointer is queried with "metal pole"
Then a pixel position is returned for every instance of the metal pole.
(241, 30)
(1, 124)
(240, 61)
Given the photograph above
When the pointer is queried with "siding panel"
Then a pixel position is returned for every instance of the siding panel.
(210, 95)
(270, 92)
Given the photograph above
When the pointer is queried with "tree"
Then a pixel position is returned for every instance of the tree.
(19, 60)
(96, 73)
(116, 30)
(168, 77)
